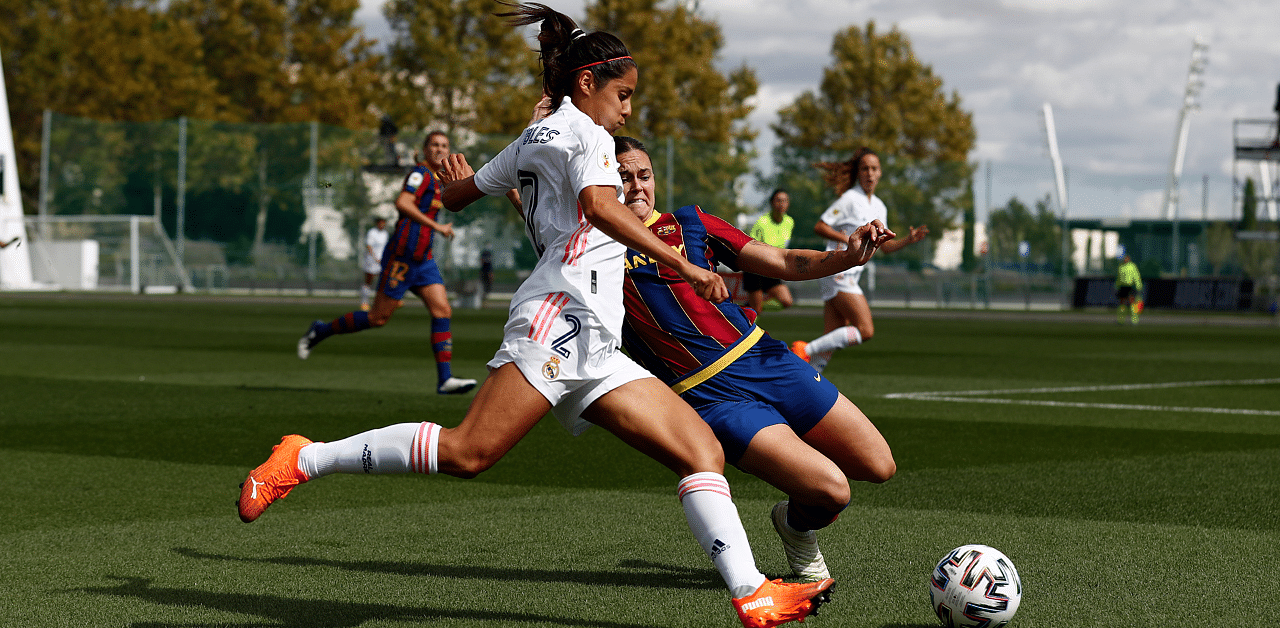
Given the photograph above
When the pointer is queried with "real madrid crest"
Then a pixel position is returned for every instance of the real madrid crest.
(551, 369)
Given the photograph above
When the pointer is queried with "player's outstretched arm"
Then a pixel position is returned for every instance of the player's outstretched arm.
(801, 264)
(915, 234)
(601, 207)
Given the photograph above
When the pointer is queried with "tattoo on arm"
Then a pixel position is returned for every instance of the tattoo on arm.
(802, 264)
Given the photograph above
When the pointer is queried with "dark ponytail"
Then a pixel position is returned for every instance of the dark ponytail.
(565, 49)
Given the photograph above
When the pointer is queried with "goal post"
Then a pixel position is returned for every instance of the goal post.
(110, 253)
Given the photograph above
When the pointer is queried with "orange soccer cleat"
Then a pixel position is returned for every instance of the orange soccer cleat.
(777, 602)
(272, 479)
(801, 349)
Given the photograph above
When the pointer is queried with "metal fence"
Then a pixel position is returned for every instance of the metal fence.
(281, 209)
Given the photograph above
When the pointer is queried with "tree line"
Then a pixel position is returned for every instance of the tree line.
(454, 65)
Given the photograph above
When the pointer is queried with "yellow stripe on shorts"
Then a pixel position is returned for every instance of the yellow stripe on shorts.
(719, 365)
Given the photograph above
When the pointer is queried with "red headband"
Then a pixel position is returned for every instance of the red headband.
(598, 63)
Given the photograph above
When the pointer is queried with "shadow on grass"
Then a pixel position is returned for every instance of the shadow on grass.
(646, 574)
(283, 611)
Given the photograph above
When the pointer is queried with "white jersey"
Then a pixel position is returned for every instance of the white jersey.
(376, 240)
(852, 210)
(550, 163)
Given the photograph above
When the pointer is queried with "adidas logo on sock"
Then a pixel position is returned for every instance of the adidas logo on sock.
(717, 547)
(754, 604)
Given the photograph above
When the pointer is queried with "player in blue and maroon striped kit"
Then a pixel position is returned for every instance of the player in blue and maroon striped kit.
(774, 415)
(408, 265)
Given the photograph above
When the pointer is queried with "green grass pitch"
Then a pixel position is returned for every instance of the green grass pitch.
(127, 423)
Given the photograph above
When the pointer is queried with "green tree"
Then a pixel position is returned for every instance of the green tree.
(1015, 223)
(101, 59)
(459, 66)
(293, 61)
(1249, 205)
(1219, 245)
(969, 260)
(146, 60)
(684, 97)
(876, 93)
(1257, 257)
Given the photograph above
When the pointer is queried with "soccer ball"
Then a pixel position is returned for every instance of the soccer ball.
(975, 586)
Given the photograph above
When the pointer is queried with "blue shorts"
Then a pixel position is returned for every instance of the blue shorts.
(768, 385)
(401, 273)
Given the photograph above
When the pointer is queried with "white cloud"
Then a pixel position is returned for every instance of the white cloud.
(1113, 71)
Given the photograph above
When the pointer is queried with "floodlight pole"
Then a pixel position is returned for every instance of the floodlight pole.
(1195, 82)
(1060, 181)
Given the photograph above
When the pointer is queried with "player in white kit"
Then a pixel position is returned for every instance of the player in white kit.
(375, 240)
(561, 345)
(846, 314)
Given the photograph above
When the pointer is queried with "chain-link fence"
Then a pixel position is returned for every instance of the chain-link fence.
(283, 208)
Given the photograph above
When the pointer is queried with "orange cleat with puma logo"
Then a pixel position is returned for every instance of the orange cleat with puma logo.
(777, 602)
(272, 479)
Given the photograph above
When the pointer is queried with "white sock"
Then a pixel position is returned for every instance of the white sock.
(366, 294)
(713, 518)
(402, 448)
(835, 339)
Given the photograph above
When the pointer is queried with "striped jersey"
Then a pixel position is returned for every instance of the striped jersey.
(669, 329)
(410, 238)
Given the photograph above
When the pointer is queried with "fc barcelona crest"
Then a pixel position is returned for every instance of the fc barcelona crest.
(666, 230)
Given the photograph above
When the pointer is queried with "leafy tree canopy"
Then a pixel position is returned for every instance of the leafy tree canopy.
(876, 93)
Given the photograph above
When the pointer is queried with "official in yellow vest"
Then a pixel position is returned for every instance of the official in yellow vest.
(774, 229)
(1128, 291)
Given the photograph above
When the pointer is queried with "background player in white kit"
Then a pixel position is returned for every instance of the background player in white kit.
(375, 240)
(560, 349)
(846, 315)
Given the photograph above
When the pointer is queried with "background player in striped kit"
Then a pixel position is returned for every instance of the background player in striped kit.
(774, 417)
(408, 264)
(560, 350)
(846, 315)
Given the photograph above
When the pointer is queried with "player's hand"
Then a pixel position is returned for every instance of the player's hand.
(709, 285)
(917, 234)
(865, 240)
(454, 167)
(541, 110)
(446, 230)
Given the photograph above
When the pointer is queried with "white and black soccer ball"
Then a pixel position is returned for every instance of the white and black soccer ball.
(975, 586)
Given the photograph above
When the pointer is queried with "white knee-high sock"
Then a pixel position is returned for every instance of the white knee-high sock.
(402, 448)
(713, 518)
(835, 339)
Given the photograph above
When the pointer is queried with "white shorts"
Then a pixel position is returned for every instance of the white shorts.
(846, 281)
(371, 264)
(562, 350)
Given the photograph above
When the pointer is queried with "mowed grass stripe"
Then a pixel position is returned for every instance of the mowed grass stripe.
(542, 559)
(125, 487)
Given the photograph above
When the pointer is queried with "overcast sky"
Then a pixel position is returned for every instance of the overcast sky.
(1114, 73)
